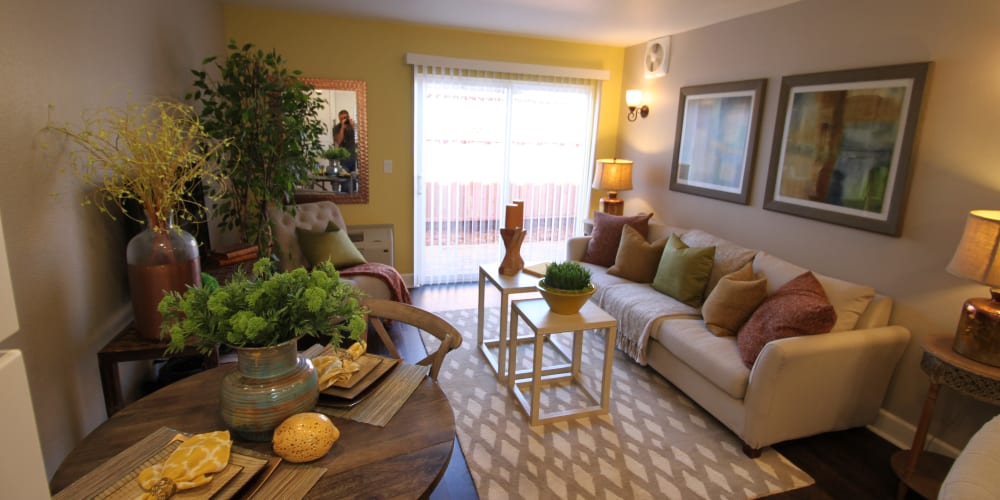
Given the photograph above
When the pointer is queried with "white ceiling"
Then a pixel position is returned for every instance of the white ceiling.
(607, 22)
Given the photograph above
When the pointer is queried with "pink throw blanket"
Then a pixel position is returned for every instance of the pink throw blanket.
(384, 272)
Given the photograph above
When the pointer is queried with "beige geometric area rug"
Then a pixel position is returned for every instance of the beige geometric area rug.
(655, 443)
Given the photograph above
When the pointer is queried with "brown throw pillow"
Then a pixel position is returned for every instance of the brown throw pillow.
(732, 301)
(637, 258)
(800, 307)
(607, 233)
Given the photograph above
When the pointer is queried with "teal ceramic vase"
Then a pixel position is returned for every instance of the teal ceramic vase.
(269, 385)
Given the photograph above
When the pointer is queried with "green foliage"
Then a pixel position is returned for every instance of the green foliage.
(337, 153)
(153, 154)
(273, 119)
(264, 311)
(567, 276)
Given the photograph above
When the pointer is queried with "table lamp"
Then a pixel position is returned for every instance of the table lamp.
(613, 175)
(977, 258)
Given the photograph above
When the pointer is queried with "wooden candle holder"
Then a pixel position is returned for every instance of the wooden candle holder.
(512, 262)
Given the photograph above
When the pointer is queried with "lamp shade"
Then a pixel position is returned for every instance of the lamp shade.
(633, 98)
(613, 175)
(976, 257)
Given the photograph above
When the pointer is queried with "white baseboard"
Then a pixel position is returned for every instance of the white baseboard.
(900, 433)
(408, 279)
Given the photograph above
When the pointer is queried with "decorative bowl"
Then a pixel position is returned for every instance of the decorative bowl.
(565, 301)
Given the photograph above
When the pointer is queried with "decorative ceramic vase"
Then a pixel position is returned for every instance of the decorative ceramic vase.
(565, 301)
(159, 258)
(269, 385)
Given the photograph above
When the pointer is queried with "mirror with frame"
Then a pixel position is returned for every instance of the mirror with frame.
(343, 180)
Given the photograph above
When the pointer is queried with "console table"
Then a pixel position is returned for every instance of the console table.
(920, 470)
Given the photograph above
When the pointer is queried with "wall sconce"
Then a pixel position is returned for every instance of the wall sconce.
(633, 98)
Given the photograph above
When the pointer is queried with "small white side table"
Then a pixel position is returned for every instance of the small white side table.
(522, 282)
(543, 323)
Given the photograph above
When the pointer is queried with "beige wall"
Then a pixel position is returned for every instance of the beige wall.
(956, 162)
(357, 49)
(67, 262)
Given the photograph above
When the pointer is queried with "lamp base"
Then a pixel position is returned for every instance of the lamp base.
(612, 205)
(978, 333)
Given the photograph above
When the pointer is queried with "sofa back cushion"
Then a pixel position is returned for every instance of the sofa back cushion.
(729, 256)
(799, 307)
(683, 271)
(607, 234)
(849, 300)
(637, 258)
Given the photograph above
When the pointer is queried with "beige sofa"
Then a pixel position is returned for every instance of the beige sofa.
(797, 387)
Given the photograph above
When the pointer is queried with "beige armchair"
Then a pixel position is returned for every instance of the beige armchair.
(315, 216)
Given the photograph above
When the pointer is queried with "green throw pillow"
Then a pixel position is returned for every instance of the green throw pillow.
(683, 272)
(331, 245)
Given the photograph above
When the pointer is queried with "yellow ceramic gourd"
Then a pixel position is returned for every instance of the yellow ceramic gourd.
(304, 437)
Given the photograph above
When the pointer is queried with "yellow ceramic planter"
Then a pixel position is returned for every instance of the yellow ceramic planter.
(565, 301)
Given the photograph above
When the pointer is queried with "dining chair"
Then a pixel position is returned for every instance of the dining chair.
(381, 310)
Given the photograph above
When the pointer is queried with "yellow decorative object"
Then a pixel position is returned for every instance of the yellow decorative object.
(304, 437)
(189, 466)
(339, 366)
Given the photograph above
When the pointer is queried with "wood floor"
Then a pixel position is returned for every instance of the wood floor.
(848, 464)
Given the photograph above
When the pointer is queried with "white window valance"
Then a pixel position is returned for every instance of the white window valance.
(431, 63)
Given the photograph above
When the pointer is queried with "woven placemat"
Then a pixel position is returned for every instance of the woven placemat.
(382, 404)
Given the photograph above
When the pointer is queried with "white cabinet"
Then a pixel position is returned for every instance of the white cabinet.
(375, 241)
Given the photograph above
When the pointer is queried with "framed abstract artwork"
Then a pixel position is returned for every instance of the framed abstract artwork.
(716, 139)
(842, 146)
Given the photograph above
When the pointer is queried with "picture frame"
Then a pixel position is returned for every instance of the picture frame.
(716, 139)
(842, 145)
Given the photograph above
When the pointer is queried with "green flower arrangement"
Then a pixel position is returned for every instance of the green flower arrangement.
(268, 310)
(337, 153)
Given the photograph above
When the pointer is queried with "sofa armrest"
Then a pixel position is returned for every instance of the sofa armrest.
(802, 386)
(576, 247)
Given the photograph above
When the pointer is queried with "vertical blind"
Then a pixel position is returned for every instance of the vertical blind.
(484, 138)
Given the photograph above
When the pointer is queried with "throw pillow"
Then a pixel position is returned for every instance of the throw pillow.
(637, 258)
(732, 301)
(607, 233)
(330, 245)
(683, 272)
(800, 307)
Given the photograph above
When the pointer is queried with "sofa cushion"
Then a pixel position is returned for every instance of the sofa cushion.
(732, 301)
(849, 299)
(715, 358)
(637, 258)
(800, 307)
(639, 310)
(683, 271)
(330, 245)
(729, 256)
(607, 233)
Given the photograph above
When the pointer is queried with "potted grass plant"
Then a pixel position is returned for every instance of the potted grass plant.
(566, 287)
(262, 316)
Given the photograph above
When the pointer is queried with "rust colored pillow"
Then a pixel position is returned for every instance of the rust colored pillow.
(637, 259)
(607, 233)
(800, 307)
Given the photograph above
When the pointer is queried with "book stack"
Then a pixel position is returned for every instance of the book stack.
(233, 255)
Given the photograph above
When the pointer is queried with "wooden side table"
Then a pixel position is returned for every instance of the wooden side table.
(543, 323)
(920, 470)
(129, 346)
(522, 282)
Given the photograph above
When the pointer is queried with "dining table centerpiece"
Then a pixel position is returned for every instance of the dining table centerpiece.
(154, 156)
(262, 316)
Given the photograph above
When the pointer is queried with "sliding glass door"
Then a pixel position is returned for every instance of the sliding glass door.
(484, 140)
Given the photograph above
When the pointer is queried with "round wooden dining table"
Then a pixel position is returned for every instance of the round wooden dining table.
(404, 459)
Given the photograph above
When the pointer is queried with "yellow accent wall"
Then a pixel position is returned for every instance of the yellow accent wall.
(375, 51)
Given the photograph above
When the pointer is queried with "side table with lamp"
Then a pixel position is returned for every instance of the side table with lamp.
(969, 361)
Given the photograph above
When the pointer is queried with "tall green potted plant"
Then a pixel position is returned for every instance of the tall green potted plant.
(273, 119)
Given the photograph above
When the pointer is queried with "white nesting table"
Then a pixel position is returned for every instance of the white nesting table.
(521, 282)
(543, 323)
